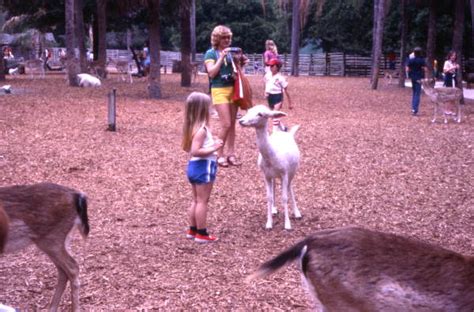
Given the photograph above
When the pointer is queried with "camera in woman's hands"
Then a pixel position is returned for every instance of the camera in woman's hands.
(235, 50)
(227, 78)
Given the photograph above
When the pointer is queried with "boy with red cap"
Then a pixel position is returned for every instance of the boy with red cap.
(275, 85)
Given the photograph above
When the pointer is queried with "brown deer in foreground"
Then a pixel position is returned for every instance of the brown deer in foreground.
(442, 98)
(3, 228)
(45, 214)
(355, 269)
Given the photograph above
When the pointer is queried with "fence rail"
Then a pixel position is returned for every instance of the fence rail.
(317, 64)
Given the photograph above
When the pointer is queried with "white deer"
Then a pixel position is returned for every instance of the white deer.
(86, 80)
(45, 214)
(278, 159)
(355, 269)
(441, 98)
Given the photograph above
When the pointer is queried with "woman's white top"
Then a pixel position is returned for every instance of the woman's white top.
(274, 84)
(448, 65)
(208, 142)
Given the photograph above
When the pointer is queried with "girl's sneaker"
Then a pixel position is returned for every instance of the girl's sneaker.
(205, 238)
(190, 234)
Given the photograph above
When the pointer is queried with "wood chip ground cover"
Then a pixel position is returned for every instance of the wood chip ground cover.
(365, 161)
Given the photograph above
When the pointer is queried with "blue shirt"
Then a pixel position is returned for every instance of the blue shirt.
(415, 66)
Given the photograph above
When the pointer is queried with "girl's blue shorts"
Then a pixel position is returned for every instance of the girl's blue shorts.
(201, 171)
(274, 99)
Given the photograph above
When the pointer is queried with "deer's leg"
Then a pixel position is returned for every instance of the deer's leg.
(435, 111)
(296, 211)
(270, 192)
(274, 208)
(285, 185)
(458, 109)
(58, 293)
(446, 111)
(68, 269)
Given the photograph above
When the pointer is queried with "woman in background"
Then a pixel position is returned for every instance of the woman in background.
(449, 69)
(271, 52)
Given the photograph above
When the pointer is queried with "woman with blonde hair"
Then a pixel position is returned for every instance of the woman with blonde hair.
(218, 62)
(202, 167)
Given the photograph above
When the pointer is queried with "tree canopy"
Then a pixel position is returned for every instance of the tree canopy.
(339, 26)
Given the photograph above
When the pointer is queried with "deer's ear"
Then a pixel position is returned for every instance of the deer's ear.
(278, 114)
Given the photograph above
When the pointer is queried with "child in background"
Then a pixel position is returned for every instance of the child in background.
(275, 86)
(202, 166)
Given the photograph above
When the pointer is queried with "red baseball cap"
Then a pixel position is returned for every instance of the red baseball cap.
(274, 61)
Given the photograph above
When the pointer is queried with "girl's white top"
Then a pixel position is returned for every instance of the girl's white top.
(274, 84)
(448, 65)
(208, 142)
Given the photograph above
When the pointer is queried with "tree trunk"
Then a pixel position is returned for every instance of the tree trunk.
(403, 42)
(154, 87)
(193, 30)
(71, 61)
(431, 43)
(458, 33)
(101, 37)
(295, 38)
(472, 28)
(80, 34)
(185, 15)
(379, 10)
(2, 69)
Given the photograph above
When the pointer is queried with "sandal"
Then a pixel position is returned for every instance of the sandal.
(222, 162)
(234, 161)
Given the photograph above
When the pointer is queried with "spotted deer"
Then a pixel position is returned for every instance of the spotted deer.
(45, 214)
(444, 100)
(356, 269)
(123, 67)
(35, 66)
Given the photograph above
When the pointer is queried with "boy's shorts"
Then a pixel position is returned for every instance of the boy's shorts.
(222, 95)
(201, 171)
(274, 99)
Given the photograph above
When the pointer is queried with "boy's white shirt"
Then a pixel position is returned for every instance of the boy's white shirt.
(274, 84)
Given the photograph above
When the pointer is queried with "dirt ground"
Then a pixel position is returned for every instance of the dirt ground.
(365, 161)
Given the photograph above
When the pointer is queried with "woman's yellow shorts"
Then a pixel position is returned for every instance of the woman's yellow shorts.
(222, 95)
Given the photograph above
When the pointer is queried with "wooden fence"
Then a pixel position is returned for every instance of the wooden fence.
(317, 64)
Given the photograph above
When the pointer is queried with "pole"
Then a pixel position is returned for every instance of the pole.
(111, 111)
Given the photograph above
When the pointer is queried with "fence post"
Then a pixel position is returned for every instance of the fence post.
(327, 65)
(111, 110)
(343, 64)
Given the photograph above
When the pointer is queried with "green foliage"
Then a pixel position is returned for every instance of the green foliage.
(246, 20)
(344, 25)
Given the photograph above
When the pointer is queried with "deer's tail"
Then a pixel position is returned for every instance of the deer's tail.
(80, 201)
(294, 129)
(297, 251)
